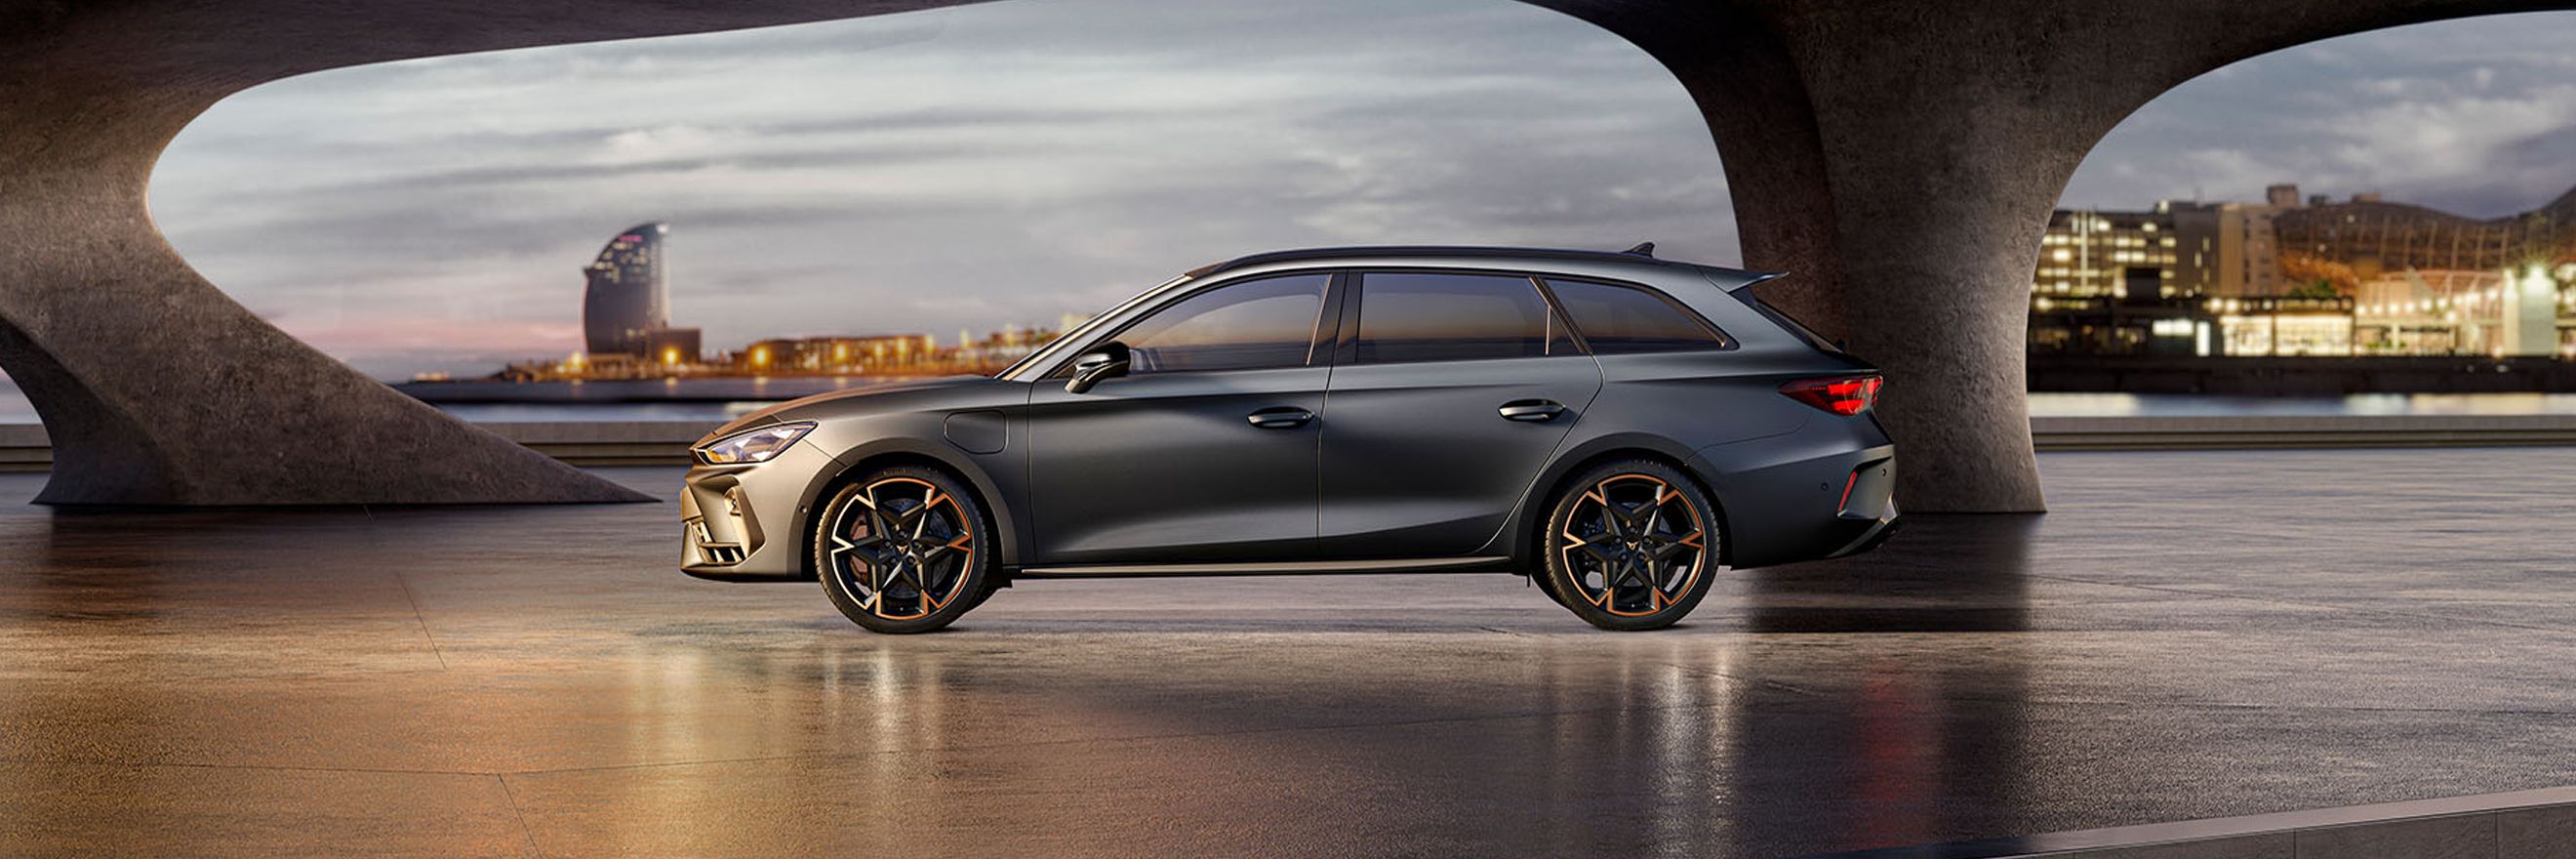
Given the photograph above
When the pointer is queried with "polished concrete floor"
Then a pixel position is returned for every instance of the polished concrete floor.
(2188, 635)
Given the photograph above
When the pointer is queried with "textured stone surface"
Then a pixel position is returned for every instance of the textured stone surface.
(2188, 636)
(155, 386)
(1900, 155)
(1901, 158)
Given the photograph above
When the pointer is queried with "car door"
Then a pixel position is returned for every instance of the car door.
(1206, 451)
(1450, 391)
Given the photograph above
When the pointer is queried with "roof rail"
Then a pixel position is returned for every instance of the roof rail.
(1423, 250)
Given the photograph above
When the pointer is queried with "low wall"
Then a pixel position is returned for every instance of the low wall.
(600, 443)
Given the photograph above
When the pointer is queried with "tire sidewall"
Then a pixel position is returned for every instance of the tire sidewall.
(979, 570)
(1560, 576)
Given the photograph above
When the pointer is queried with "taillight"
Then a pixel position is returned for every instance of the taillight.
(1842, 395)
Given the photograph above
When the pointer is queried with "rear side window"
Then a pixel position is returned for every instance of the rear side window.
(1434, 316)
(1622, 320)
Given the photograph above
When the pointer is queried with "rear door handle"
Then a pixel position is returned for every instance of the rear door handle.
(1531, 410)
(1282, 417)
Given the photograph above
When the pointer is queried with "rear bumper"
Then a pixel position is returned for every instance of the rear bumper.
(1825, 492)
(1878, 533)
(1869, 506)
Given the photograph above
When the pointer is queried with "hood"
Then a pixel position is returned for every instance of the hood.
(771, 414)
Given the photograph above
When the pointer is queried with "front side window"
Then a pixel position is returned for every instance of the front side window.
(1433, 316)
(1247, 325)
(1620, 320)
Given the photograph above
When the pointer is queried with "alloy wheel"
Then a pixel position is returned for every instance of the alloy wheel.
(1634, 544)
(902, 548)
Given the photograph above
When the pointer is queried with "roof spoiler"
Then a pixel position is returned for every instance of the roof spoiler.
(1750, 278)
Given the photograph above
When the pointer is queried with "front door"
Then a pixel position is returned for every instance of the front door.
(1206, 451)
(1452, 391)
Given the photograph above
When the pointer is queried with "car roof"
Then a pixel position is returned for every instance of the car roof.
(1500, 257)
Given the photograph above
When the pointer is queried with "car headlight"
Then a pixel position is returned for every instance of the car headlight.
(752, 445)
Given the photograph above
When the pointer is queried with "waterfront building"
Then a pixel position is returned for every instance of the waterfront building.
(2106, 254)
(2494, 313)
(836, 354)
(672, 347)
(2229, 249)
(2309, 326)
(2371, 235)
(626, 297)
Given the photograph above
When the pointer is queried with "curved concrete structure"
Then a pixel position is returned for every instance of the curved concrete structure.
(1901, 156)
(155, 386)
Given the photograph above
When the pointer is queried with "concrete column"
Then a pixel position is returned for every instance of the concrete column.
(1900, 158)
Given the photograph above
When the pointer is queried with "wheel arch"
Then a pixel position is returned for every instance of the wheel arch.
(1529, 521)
(889, 453)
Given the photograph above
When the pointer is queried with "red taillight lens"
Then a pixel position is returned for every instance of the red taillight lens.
(1842, 395)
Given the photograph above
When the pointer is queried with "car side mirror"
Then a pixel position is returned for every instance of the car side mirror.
(1107, 361)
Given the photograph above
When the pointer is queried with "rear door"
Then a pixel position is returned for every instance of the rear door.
(1449, 393)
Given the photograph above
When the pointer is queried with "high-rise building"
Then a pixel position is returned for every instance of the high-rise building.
(626, 299)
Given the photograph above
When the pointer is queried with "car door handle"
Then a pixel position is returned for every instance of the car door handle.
(1531, 410)
(1283, 417)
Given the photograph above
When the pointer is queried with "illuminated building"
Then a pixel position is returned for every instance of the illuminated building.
(672, 347)
(625, 300)
(2494, 313)
(2095, 254)
(2372, 235)
(2229, 249)
(836, 354)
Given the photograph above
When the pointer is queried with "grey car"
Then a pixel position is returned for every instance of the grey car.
(1619, 429)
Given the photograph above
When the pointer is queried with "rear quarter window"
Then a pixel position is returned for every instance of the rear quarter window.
(1625, 320)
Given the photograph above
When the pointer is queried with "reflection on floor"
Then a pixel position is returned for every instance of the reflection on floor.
(2189, 635)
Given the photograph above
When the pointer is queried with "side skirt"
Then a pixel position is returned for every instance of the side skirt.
(1270, 568)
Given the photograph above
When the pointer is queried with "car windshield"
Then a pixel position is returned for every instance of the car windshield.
(1082, 332)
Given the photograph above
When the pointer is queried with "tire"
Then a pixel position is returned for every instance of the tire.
(1618, 551)
(904, 550)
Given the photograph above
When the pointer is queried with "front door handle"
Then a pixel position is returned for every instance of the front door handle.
(1282, 417)
(1531, 410)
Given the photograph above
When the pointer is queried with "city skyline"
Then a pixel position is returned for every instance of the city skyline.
(973, 167)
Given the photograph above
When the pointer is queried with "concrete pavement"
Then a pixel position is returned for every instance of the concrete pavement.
(2189, 635)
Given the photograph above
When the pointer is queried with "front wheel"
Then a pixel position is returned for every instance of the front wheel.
(903, 550)
(1631, 545)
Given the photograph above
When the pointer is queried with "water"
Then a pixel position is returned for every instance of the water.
(14, 408)
(2070, 405)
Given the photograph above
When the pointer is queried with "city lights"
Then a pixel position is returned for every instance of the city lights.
(2294, 277)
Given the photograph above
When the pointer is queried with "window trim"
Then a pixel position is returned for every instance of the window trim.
(1326, 320)
(1725, 342)
(1346, 348)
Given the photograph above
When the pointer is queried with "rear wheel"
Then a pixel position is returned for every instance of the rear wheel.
(903, 550)
(1631, 545)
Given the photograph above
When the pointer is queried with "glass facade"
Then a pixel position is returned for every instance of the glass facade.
(627, 298)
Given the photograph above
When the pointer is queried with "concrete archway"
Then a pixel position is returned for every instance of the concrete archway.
(1900, 156)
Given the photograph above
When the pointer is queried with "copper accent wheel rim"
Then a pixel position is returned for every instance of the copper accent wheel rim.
(1634, 545)
(901, 548)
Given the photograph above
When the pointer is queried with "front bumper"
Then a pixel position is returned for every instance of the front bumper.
(747, 522)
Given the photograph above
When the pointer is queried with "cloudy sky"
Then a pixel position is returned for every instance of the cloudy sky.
(1009, 163)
